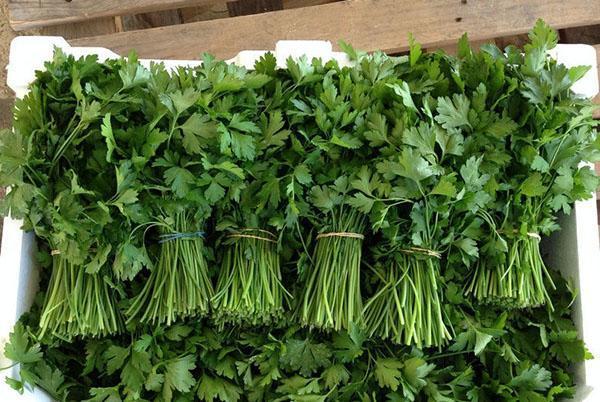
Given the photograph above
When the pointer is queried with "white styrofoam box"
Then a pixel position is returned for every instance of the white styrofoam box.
(574, 250)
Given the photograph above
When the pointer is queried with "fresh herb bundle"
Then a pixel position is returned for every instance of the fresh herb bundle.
(408, 306)
(332, 297)
(250, 289)
(413, 200)
(533, 141)
(179, 285)
(54, 165)
(77, 304)
(329, 117)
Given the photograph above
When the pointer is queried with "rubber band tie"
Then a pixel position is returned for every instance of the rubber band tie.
(180, 235)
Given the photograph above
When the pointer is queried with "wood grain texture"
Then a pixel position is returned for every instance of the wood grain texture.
(26, 14)
(215, 9)
(287, 4)
(92, 27)
(366, 24)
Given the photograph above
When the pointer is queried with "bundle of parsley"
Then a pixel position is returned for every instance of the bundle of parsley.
(62, 186)
(533, 135)
(179, 284)
(331, 296)
(249, 286)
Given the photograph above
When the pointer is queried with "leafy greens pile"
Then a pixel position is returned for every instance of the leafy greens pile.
(319, 232)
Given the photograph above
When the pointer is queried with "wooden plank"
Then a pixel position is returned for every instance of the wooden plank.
(215, 9)
(26, 14)
(589, 35)
(93, 27)
(367, 24)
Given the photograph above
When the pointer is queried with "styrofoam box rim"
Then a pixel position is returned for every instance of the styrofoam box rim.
(575, 248)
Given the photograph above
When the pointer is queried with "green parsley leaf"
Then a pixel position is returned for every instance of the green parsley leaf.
(20, 348)
(387, 373)
(335, 375)
(178, 376)
(534, 378)
(216, 388)
(305, 356)
(453, 113)
(532, 186)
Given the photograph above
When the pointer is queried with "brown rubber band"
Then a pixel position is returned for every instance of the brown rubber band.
(341, 234)
(424, 251)
(245, 236)
(55, 252)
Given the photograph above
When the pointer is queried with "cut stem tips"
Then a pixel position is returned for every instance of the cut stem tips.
(249, 288)
(407, 308)
(519, 282)
(332, 297)
(78, 303)
(179, 285)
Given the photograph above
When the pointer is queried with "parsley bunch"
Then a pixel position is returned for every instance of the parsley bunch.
(250, 287)
(63, 186)
(533, 135)
(327, 116)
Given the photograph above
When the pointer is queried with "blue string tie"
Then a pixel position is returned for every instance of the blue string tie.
(180, 235)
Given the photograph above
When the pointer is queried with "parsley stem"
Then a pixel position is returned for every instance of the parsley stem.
(249, 288)
(179, 285)
(78, 303)
(407, 308)
(332, 296)
(519, 282)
